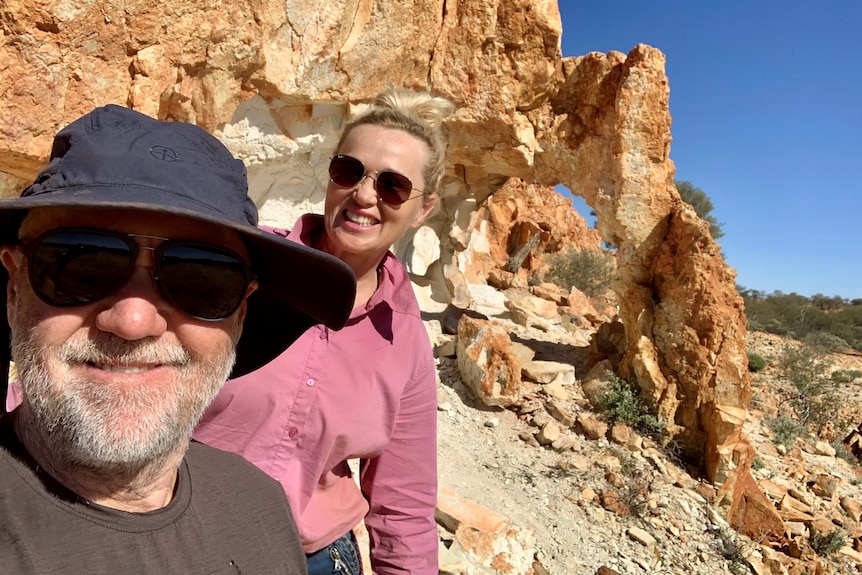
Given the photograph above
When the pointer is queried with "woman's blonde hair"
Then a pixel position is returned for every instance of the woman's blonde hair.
(419, 114)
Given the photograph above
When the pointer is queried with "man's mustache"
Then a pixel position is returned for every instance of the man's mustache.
(108, 348)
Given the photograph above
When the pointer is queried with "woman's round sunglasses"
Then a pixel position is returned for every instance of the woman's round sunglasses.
(75, 266)
(391, 187)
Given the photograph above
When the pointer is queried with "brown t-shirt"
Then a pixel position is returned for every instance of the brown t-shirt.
(227, 517)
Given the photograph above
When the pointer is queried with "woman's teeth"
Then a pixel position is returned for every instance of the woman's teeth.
(360, 220)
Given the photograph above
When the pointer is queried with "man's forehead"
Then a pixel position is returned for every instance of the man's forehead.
(40, 220)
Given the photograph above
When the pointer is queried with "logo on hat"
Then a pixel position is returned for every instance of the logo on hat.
(164, 154)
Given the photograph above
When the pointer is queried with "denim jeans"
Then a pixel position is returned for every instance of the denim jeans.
(339, 558)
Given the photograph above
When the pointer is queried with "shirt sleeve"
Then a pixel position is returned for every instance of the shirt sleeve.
(401, 484)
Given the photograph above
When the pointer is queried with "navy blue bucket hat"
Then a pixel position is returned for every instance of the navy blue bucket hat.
(114, 157)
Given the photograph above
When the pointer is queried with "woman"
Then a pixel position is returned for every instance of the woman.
(369, 390)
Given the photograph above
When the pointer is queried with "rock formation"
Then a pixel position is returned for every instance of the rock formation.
(277, 80)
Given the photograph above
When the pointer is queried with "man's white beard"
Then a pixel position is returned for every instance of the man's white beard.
(109, 428)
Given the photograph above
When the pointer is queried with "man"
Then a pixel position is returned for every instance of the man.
(137, 283)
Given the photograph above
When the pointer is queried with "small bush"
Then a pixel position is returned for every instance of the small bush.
(785, 431)
(841, 452)
(591, 271)
(775, 326)
(845, 375)
(635, 496)
(814, 397)
(756, 464)
(756, 362)
(635, 492)
(733, 550)
(825, 341)
(622, 403)
(826, 544)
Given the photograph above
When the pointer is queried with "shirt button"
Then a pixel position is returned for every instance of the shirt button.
(292, 432)
(309, 382)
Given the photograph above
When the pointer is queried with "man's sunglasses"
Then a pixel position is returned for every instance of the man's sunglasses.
(391, 187)
(73, 267)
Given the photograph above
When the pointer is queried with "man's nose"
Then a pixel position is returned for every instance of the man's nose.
(137, 309)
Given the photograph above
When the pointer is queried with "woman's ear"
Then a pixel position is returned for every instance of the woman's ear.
(429, 202)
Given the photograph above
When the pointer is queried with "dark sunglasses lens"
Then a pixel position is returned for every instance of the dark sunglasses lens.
(393, 188)
(203, 282)
(69, 268)
(345, 171)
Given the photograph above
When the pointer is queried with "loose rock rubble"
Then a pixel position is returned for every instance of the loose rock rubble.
(568, 493)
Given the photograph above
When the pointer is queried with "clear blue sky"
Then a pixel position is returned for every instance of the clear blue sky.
(766, 101)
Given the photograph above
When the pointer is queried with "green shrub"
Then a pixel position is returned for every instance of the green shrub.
(756, 362)
(775, 326)
(826, 544)
(845, 375)
(591, 271)
(826, 341)
(814, 396)
(622, 403)
(785, 431)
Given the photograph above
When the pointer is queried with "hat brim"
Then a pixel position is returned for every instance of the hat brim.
(298, 286)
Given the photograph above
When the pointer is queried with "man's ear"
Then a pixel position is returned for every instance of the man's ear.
(243, 309)
(239, 315)
(12, 260)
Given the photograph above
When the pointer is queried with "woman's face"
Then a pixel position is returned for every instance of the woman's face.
(359, 227)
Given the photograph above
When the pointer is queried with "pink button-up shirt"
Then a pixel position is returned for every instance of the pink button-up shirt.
(367, 391)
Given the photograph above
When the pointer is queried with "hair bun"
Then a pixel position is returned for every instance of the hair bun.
(430, 110)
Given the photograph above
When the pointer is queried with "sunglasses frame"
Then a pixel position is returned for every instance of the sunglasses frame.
(29, 248)
(375, 178)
